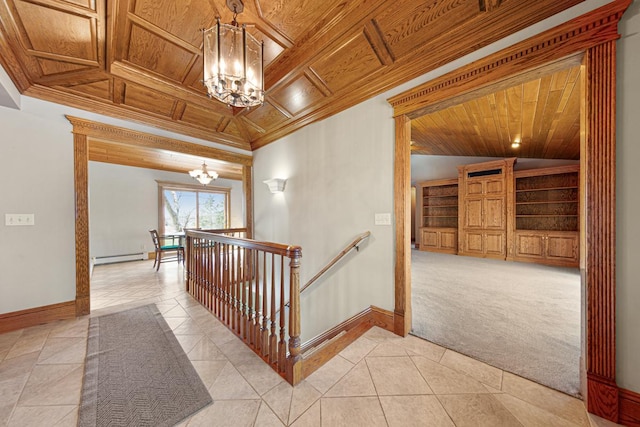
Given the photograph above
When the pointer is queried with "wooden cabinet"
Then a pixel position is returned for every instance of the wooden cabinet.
(547, 247)
(439, 240)
(546, 216)
(484, 197)
(439, 215)
(492, 211)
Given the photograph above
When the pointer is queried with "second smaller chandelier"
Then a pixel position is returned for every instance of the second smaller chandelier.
(233, 69)
(203, 175)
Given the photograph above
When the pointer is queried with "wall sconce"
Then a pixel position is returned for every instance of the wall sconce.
(276, 185)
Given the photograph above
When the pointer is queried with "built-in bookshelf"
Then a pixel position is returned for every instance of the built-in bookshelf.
(439, 215)
(440, 203)
(547, 199)
(547, 216)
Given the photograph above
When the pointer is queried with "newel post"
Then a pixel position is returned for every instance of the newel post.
(187, 256)
(294, 361)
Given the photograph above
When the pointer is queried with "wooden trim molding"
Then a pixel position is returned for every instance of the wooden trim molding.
(556, 44)
(353, 329)
(629, 408)
(402, 212)
(600, 184)
(247, 185)
(81, 187)
(131, 137)
(37, 316)
(593, 36)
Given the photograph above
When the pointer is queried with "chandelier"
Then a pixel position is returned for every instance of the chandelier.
(203, 175)
(233, 69)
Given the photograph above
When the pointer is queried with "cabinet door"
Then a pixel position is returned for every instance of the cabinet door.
(449, 240)
(530, 245)
(474, 243)
(494, 186)
(429, 239)
(562, 247)
(494, 213)
(473, 213)
(495, 244)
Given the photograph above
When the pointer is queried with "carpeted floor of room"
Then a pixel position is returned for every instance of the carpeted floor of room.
(520, 317)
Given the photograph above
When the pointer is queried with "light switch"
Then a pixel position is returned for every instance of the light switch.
(382, 219)
(19, 219)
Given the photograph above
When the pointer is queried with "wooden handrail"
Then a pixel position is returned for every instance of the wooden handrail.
(355, 244)
(276, 248)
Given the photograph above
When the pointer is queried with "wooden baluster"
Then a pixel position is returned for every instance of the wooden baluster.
(217, 254)
(282, 345)
(265, 326)
(196, 270)
(272, 313)
(233, 286)
(239, 276)
(294, 363)
(224, 284)
(255, 335)
(212, 249)
(243, 295)
(250, 263)
(187, 263)
(207, 273)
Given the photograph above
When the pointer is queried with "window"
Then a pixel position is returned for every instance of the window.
(183, 206)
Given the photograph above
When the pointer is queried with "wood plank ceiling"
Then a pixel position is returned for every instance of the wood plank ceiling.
(543, 114)
(141, 60)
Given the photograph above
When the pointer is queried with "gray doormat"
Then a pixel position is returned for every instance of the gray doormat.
(136, 373)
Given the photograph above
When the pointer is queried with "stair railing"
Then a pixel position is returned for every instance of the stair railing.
(244, 283)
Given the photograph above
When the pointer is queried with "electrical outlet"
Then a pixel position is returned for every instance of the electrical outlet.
(19, 219)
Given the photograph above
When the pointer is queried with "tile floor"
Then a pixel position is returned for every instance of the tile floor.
(380, 380)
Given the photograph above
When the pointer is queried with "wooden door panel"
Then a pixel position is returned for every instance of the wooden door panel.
(474, 188)
(562, 247)
(449, 240)
(494, 186)
(494, 213)
(473, 213)
(495, 244)
(473, 243)
(429, 239)
(529, 245)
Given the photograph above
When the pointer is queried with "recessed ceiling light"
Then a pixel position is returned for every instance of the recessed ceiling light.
(515, 144)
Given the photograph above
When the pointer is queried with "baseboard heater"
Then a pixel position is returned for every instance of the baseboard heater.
(110, 259)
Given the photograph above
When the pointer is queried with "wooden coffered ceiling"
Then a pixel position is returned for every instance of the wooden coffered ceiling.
(141, 60)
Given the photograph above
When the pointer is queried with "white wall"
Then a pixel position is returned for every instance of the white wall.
(628, 201)
(37, 263)
(339, 174)
(123, 206)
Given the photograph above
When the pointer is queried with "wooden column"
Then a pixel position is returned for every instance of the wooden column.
(402, 212)
(600, 196)
(247, 185)
(81, 187)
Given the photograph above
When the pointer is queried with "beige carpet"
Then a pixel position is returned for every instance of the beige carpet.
(520, 317)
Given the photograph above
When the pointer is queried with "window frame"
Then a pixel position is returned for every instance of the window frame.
(165, 185)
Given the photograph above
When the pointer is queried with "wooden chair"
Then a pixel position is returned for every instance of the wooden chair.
(171, 244)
